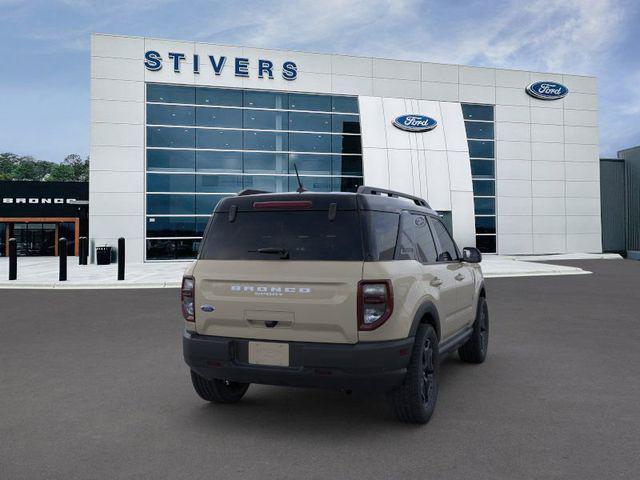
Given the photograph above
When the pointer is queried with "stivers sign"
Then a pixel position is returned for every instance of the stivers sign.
(153, 61)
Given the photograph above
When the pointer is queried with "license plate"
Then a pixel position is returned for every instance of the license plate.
(269, 353)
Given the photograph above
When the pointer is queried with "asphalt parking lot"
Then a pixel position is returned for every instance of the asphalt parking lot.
(92, 385)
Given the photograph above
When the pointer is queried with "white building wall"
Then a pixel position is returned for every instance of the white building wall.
(546, 151)
(543, 160)
(432, 165)
(116, 185)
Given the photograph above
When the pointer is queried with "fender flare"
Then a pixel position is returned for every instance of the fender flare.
(482, 292)
(427, 308)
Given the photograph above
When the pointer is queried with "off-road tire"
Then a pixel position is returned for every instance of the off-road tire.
(474, 350)
(415, 400)
(218, 391)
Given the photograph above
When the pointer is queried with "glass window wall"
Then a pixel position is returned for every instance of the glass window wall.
(205, 143)
(479, 125)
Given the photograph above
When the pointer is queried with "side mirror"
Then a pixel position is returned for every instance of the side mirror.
(471, 255)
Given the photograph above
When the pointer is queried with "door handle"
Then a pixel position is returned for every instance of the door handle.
(459, 277)
(436, 282)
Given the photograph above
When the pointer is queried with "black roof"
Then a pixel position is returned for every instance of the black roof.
(366, 198)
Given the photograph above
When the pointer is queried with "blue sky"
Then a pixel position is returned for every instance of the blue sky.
(44, 81)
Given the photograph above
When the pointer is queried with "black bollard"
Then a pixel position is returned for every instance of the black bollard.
(85, 260)
(62, 253)
(13, 259)
(121, 258)
(80, 250)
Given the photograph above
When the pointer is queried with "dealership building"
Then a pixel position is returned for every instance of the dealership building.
(508, 157)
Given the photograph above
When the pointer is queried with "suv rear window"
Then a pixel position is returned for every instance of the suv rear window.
(381, 231)
(301, 235)
(304, 235)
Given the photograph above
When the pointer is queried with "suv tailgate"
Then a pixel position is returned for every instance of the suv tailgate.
(303, 301)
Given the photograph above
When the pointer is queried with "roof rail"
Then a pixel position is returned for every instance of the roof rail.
(250, 191)
(392, 193)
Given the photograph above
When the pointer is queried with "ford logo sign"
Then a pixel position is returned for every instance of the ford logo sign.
(547, 90)
(415, 123)
(207, 308)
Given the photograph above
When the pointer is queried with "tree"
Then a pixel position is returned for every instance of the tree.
(61, 173)
(28, 168)
(79, 167)
(7, 165)
(16, 167)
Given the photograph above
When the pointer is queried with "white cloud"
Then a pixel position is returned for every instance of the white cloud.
(540, 34)
(573, 36)
(331, 25)
(619, 114)
(556, 35)
(630, 104)
(114, 7)
(568, 36)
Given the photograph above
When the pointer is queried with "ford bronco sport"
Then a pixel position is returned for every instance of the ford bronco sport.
(352, 291)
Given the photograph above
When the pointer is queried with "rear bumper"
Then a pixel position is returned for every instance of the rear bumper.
(371, 366)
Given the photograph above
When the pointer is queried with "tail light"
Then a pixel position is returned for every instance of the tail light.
(375, 303)
(186, 298)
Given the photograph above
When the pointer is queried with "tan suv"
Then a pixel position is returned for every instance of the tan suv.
(352, 291)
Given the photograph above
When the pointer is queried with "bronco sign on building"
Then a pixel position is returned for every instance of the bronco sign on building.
(37, 214)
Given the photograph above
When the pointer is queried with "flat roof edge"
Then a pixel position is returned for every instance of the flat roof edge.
(307, 52)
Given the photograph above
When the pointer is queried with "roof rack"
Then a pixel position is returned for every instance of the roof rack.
(392, 193)
(250, 191)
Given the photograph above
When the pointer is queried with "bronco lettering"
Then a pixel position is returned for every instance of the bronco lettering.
(273, 291)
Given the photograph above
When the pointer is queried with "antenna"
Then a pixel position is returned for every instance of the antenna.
(300, 188)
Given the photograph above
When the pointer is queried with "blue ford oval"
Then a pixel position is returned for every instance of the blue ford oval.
(207, 308)
(547, 90)
(415, 123)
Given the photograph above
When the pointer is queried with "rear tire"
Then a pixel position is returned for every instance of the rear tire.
(475, 349)
(218, 391)
(415, 400)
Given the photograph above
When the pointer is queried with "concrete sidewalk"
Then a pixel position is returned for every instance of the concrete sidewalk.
(42, 272)
(496, 266)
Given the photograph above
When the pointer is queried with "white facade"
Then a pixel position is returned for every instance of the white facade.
(547, 162)
(433, 165)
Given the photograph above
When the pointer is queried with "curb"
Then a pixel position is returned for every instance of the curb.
(536, 274)
(134, 286)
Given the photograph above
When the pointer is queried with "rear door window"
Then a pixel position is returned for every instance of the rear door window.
(447, 250)
(426, 247)
(266, 235)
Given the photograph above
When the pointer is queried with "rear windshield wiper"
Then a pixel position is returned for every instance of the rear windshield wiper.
(283, 252)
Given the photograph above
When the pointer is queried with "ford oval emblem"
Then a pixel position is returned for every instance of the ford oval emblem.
(207, 308)
(415, 123)
(420, 221)
(547, 90)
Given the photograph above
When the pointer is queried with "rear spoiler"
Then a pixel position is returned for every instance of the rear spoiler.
(249, 191)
